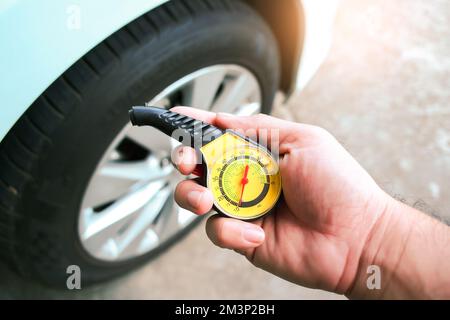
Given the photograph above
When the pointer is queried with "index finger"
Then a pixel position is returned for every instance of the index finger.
(199, 114)
(267, 127)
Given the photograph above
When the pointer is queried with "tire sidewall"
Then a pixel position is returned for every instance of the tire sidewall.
(51, 204)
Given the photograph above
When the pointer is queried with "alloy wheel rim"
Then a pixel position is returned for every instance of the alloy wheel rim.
(128, 208)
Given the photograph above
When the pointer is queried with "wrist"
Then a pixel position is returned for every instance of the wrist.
(382, 253)
(409, 250)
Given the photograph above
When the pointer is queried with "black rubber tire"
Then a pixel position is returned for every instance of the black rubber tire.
(49, 155)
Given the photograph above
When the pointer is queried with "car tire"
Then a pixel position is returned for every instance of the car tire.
(48, 157)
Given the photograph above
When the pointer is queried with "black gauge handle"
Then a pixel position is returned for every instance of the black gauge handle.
(189, 131)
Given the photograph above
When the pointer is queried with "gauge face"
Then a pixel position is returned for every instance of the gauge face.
(245, 181)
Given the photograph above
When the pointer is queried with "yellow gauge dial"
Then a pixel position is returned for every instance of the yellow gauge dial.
(243, 177)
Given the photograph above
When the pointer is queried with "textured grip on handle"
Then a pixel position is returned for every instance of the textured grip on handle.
(166, 121)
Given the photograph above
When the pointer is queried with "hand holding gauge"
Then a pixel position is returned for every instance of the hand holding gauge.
(325, 227)
(242, 175)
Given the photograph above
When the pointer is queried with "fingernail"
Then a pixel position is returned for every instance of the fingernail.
(194, 198)
(177, 157)
(253, 235)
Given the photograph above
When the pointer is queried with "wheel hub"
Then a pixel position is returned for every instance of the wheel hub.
(128, 207)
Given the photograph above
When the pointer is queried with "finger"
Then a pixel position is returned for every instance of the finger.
(273, 132)
(259, 123)
(193, 197)
(234, 234)
(205, 116)
(262, 126)
(185, 159)
(230, 121)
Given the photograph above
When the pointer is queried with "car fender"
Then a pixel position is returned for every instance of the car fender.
(42, 39)
(318, 26)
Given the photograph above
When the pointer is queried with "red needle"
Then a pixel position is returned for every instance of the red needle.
(244, 181)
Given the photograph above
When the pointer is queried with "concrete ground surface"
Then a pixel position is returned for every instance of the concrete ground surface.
(384, 92)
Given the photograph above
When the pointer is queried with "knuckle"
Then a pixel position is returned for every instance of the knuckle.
(176, 156)
(261, 117)
(321, 132)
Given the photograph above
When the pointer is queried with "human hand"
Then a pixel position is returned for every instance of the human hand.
(317, 233)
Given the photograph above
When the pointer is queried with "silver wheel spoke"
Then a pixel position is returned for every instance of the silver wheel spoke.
(235, 93)
(139, 229)
(185, 216)
(149, 138)
(114, 216)
(168, 221)
(203, 89)
(105, 225)
(128, 207)
(248, 109)
(142, 243)
(107, 189)
(146, 170)
(116, 178)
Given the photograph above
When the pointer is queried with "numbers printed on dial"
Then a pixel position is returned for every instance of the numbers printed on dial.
(245, 182)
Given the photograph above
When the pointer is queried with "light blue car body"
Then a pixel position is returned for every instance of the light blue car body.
(40, 39)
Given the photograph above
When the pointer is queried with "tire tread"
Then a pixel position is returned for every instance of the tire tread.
(25, 144)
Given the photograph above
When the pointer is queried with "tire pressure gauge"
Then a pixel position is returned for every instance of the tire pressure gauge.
(242, 175)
